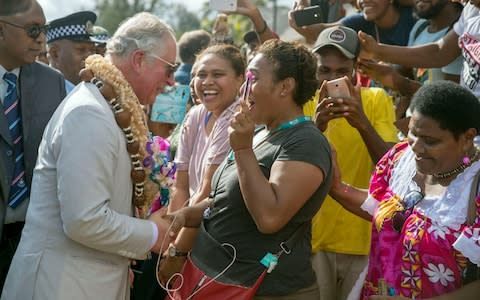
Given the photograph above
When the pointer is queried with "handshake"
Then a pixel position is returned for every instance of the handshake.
(168, 226)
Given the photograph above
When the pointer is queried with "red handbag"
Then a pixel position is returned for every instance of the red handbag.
(197, 285)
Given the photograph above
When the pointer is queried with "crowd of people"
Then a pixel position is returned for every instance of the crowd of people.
(342, 165)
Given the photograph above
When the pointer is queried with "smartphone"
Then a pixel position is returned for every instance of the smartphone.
(338, 88)
(308, 16)
(223, 5)
(247, 86)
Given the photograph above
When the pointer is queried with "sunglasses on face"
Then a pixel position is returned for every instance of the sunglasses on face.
(172, 68)
(409, 202)
(33, 30)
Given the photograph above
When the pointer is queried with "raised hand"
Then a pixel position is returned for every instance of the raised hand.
(352, 106)
(330, 108)
(246, 8)
(241, 128)
(310, 32)
(381, 72)
(369, 47)
(323, 111)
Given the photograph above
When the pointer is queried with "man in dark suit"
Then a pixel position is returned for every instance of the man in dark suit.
(39, 90)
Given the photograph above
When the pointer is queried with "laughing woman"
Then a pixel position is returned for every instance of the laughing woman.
(203, 145)
(266, 192)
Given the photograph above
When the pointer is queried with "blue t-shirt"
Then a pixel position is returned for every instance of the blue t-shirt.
(421, 37)
(397, 35)
(182, 75)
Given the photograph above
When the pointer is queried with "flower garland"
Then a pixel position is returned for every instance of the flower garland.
(130, 118)
(162, 170)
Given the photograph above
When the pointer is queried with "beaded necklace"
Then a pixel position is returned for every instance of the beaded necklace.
(458, 169)
(130, 118)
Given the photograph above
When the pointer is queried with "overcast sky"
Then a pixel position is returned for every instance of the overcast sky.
(54, 9)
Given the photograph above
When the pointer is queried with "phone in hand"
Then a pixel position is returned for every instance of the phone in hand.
(308, 16)
(223, 5)
(247, 86)
(338, 88)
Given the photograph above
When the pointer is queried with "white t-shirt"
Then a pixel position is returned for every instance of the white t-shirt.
(468, 30)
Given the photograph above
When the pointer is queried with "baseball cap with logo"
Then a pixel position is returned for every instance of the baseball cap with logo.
(343, 38)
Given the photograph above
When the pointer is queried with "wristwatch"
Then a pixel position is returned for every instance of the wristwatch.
(174, 252)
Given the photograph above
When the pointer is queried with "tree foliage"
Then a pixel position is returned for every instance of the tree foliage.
(112, 12)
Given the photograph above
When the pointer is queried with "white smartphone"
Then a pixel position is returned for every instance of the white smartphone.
(223, 5)
(338, 88)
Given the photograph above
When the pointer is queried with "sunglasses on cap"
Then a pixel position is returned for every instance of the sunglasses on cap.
(33, 30)
(410, 200)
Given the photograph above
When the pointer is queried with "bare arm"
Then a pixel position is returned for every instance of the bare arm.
(250, 10)
(181, 192)
(389, 77)
(351, 198)
(273, 202)
(432, 55)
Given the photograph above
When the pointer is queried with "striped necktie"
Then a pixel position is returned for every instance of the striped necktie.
(11, 107)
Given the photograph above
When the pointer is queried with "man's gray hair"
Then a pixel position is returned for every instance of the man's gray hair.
(142, 31)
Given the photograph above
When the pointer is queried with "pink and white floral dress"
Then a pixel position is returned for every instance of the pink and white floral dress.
(428, 257)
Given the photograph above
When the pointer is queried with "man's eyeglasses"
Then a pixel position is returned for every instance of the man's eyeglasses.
(171, 67)
(33, 30)
(409, 202)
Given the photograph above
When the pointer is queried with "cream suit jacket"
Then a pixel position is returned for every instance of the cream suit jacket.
(79, 234)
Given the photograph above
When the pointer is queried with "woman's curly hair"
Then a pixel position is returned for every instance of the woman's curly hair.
(292, 59)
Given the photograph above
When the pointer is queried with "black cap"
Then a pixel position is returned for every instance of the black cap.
(77, 27)
(343, 38)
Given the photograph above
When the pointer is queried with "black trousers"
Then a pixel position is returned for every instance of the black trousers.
(145, 285)
(11, 234)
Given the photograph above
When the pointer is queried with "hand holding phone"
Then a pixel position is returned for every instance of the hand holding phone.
(308, 16)
(248, 86)
(338, 88)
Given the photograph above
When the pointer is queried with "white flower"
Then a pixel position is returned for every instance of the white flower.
(410, 277)
(439, 273)
(410, 252)
(438, 231)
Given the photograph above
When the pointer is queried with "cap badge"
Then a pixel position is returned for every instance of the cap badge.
(337, 36)
(89, 27)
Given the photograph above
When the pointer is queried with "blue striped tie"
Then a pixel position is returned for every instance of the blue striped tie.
(18, 187)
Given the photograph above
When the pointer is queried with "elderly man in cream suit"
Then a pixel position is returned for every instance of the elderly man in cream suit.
(79, 235)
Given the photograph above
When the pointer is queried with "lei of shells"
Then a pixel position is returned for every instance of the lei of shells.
(130, 117)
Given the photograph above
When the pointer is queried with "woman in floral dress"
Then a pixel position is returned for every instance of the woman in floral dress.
(419, 198)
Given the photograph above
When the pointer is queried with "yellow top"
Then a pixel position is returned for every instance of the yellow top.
(334, 229)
